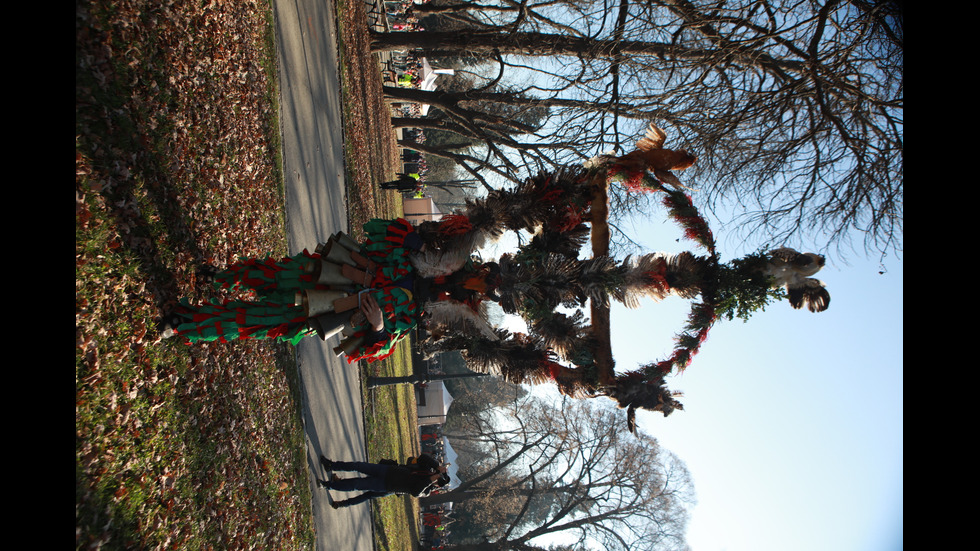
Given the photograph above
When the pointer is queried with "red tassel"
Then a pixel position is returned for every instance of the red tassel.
(633, 180)
(571, 218)
(277, 331)
(658, 278)
(550, 196)
(455, 224)
(553, 368)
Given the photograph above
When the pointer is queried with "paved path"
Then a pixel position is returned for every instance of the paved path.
(313, 163)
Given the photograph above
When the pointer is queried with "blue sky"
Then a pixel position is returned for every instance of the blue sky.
(793, 421)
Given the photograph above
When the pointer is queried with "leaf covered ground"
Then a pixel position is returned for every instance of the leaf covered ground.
(177, 166)
(176, 162)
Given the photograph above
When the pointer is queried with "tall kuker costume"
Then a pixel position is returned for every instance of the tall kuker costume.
(547, 281)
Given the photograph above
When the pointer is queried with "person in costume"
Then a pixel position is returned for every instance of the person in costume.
(368, 292)
(384, 478)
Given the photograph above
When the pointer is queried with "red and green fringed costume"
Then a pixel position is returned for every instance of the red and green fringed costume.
(273, 313)
(388, 244)
(241, 320)
(268, 278)
(400, 317)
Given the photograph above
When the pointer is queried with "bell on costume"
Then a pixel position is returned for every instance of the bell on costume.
(328, 273)
(341, 238)
(341, 249)
(348, 346)
(359, 277)
(329, 312)
(335, 252)
(329, 324)
(316, 302)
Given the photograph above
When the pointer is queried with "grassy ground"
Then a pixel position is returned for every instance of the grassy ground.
(177, 164)
(391, 430)
(369, 139)
(391, 424)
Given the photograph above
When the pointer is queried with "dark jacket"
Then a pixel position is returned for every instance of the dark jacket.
(412, 478)
(404, 480)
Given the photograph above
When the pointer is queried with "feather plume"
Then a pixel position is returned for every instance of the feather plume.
(517, 358)
(645, 277)
(561, 332)
(789, 268)
(456, 314)
(436, 262)
(685, 274)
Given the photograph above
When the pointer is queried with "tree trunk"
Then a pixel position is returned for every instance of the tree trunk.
(451, 100)
(446, 497)
(544, 44)
(373, 382)
(530, 44)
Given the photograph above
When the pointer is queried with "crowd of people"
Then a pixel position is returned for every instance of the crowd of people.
(435, 519)
(408, 72)
(401, 16)
(435, 532)
(412, 179)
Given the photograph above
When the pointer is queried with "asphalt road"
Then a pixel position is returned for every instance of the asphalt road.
(313, 162)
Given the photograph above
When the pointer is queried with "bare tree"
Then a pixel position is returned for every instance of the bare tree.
(795, 107)
(570, 471)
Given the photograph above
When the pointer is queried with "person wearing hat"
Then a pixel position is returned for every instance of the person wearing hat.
(383, 479)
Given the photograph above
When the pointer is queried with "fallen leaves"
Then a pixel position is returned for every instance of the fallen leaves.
(175, 167)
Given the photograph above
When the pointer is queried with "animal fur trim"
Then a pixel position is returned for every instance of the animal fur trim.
(456, 314)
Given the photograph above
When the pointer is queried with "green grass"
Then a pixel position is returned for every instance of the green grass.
(391, 423)
(391, 430)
